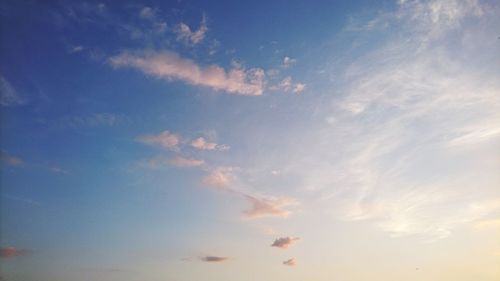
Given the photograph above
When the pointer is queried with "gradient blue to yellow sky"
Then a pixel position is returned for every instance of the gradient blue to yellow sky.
(250, 140)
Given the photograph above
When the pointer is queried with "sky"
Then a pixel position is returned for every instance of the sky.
(250, 140)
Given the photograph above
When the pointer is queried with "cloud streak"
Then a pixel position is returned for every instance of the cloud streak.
(11, 252)
(169, 65)
(214, 259)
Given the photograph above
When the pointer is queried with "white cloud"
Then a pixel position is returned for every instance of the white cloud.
(185, 34)
(168, 65)
(76, 49)
(9, 95)
(287, 85)
(398, 116)
(288, 61)
(147, 13)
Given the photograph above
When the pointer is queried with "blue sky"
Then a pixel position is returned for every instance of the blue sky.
(271, 140)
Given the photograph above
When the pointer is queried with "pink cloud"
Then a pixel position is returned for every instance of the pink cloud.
(168, 65)
(219, 178)
(10, 252)
(6, 158)
(201, 144)
(165, 139)
(285, 242)
(290, 262)
(266, 207)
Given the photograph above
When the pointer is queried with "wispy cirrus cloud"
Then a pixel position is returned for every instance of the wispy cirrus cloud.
(285, 242)
(169, 65)
(8, 94)
(391, 153)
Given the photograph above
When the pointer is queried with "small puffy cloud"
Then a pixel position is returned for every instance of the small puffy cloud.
(219, 178)
(290, 262)
(75, 49)
(267, 207)
(185, 34)
(287, 85)
(214, 259)
(147, 13)
(10, 160)
(186, 162)
(299, 88)
(9, 95)
(288, 61)
(10, 252)
(285, 242)
(168, 65)
(201, 144)
(165, 139)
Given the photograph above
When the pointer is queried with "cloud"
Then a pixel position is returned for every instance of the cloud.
(267, 207)
(147, 13)
(7, 159)
(403, 111)
(186, 162)
(165, 139)
(299, 88)
(10, 252)
(285, 242)
(219, 178)
(287, 85)
(290, 262)
(185, 34)
(202, 144)
(214, 259)
(168, 65)
(9, 95)
(101, 119)
(288, 61)
(75, 49)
